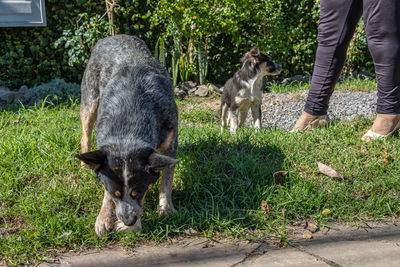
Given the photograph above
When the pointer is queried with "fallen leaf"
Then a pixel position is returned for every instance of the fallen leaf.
(278, 178)
(326, 212)
(265, 207)
(208, 245)
(192, 232)
(283, 244)
(307, 235)
(311, 226)
(329, 171)
(385, 154)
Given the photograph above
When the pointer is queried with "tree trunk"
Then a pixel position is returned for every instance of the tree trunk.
(191, 51)
(110, 5)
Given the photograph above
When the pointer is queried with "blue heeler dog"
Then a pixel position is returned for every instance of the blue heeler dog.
(131, 95)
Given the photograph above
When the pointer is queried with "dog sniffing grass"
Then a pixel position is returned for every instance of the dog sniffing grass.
(130, 94)
(48, 204)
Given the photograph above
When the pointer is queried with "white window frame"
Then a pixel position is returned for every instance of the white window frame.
(22, 13)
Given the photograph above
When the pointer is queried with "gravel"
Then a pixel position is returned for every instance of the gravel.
(281, 110)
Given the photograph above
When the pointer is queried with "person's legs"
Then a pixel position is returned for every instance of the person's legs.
(337, 24)
(382, 25)
(338, 21)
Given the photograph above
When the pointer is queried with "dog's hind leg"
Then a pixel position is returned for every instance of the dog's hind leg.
(233, 122)
(224, 116)
(256, 112)
(243, 114)
(88, 119)
(105, 219)
(89, 104)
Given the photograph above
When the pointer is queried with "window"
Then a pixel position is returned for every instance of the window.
(15, 13)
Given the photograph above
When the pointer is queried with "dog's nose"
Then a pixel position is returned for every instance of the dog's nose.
(130, 221)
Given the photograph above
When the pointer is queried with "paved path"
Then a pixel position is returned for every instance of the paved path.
(366, 245)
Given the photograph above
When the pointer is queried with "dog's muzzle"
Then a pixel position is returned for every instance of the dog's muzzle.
(128, 214)
(278, 69)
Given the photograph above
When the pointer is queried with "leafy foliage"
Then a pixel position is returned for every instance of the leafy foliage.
(29, 55)
(225, 30)
(79, 43)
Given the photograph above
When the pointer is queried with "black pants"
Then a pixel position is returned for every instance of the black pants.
(338, 21)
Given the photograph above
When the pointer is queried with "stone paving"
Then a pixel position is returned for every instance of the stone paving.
(370, 244)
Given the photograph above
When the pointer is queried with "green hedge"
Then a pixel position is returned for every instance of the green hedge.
(28, 55)
(287, 29)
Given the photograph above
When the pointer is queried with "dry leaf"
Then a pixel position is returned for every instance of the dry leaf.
(311, 226)
(265, 207)
(326, 212)
(307, 235)
(278, 178)
(192, 232)
(385, 154)
(329, 171)
(283, 244)
(208, 245)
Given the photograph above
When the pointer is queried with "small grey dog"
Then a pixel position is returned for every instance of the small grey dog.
(244, 90)
(131, 95)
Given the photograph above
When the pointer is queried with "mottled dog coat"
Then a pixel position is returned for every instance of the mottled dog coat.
(244, 90)
(130, 94)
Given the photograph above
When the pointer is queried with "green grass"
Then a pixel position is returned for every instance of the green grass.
(48, 204)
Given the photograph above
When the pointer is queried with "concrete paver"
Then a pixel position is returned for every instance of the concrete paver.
(285, 257)
(191, 252)
(369, 245)
(372, 245)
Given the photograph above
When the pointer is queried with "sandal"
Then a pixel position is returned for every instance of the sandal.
(384, 126)
(307, 122)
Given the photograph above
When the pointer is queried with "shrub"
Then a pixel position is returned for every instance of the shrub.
(56, 91)
(203, 40)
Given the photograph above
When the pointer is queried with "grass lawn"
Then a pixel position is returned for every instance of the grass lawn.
(48, 204)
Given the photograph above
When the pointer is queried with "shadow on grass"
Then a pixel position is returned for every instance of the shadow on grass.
(221, 180)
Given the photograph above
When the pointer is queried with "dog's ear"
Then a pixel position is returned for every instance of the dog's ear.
(255, 52)
(93, 158)
(158, 162)
(245, 58)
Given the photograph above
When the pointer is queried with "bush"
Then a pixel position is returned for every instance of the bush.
(203, 40)
(55, 92)
(29, 56)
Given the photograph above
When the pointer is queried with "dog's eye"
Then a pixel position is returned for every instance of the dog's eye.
(115, 168)
(117, 193)
(134, 193)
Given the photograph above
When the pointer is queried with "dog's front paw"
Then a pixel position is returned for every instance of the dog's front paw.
(166, 210)
(103, 224)
(165, 206)
(120, 227)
